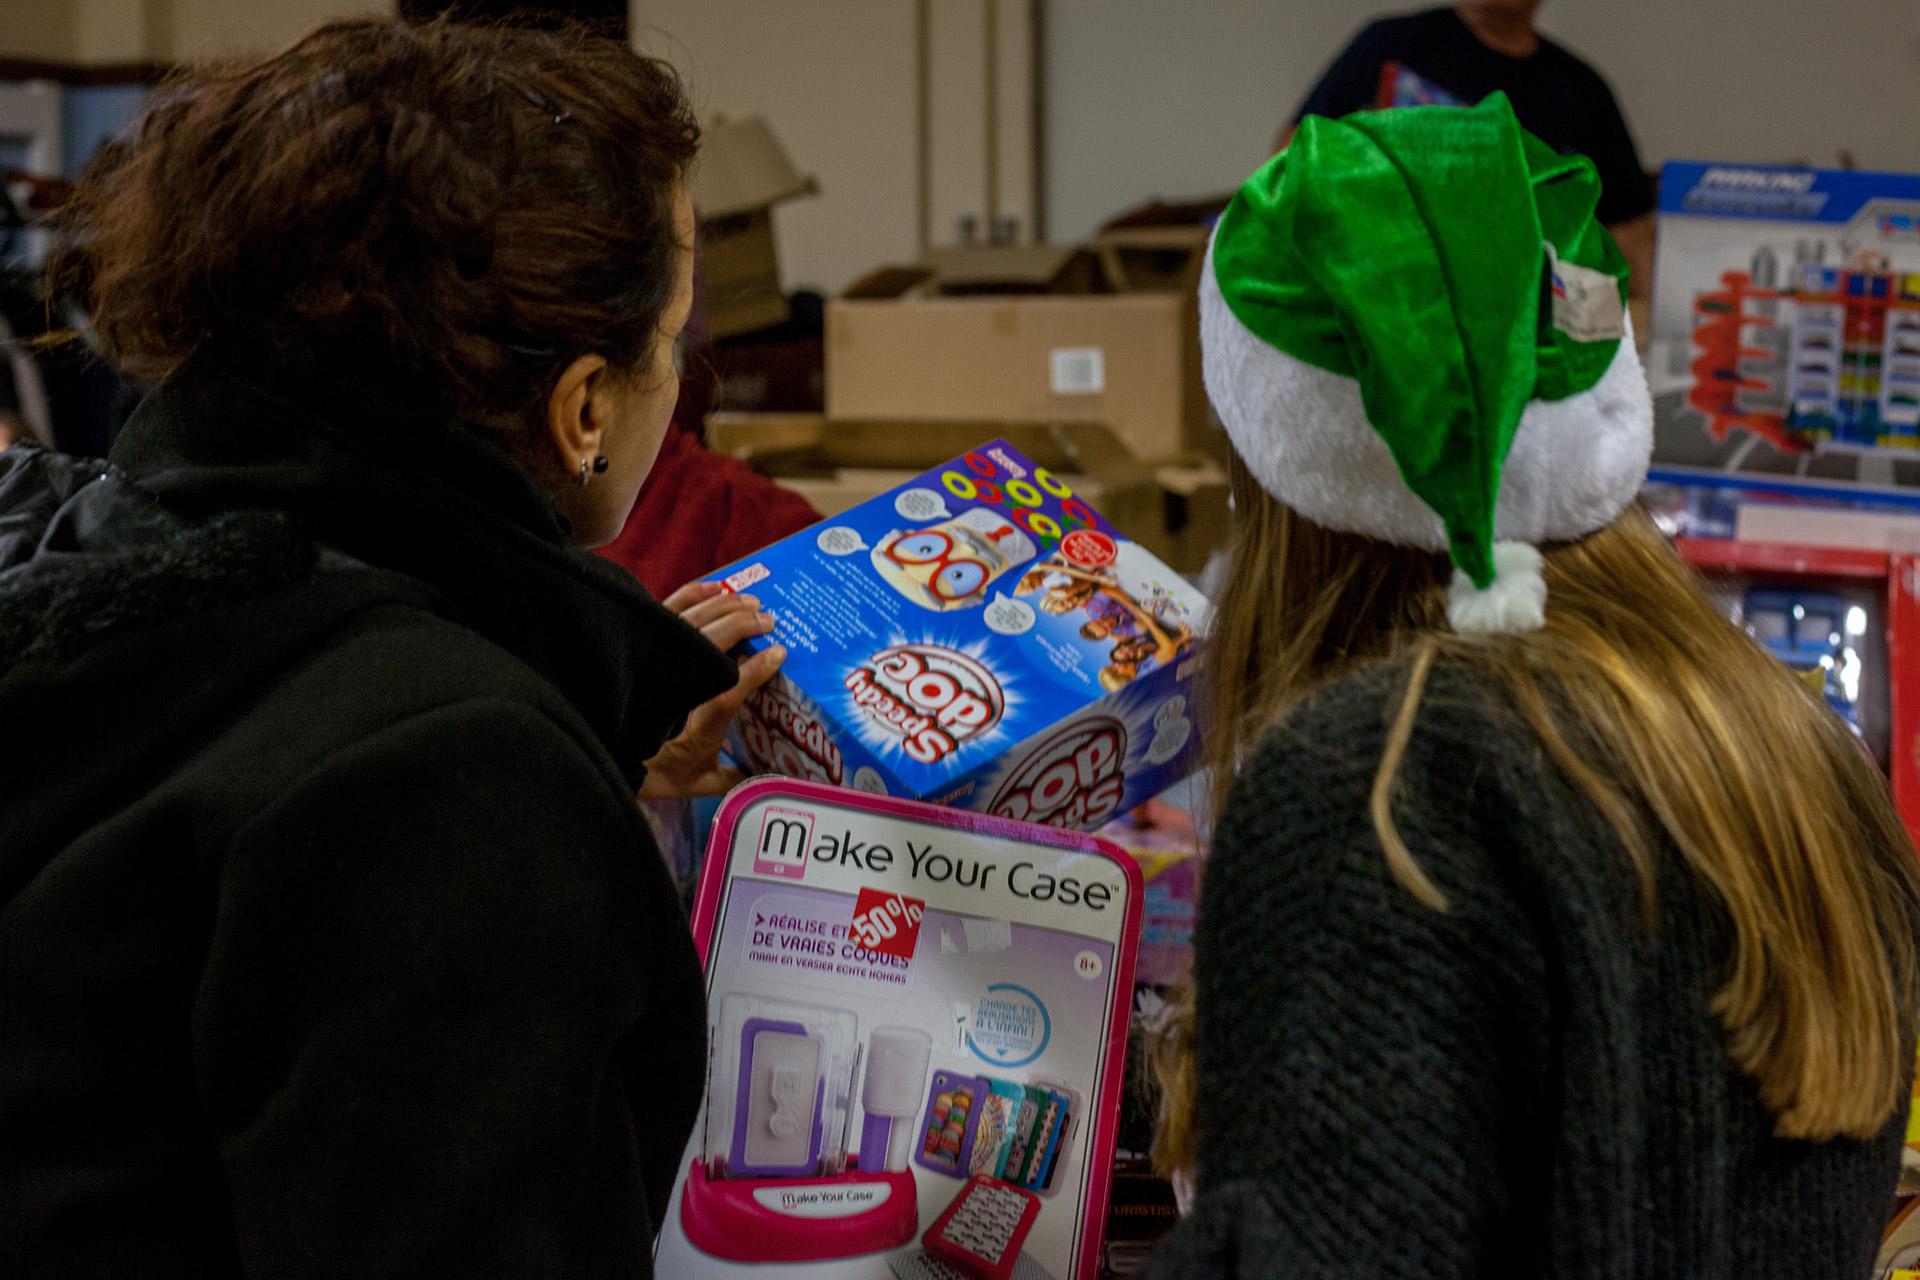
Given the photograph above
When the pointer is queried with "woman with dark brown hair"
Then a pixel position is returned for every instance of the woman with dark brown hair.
(332, 942)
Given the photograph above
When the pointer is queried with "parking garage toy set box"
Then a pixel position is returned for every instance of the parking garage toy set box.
(917, 1043)
(1785, 348)
(978, 637)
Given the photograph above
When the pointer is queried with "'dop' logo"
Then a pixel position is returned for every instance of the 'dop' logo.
(1075, 778)
(931, 698)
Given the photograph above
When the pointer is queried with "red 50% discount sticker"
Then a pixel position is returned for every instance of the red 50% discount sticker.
(888, 923)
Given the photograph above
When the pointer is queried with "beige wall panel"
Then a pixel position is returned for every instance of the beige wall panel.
(957, 88)
(835, 80)
(217, 28)
(1018, 130)
(1182, 97)
(41, 29)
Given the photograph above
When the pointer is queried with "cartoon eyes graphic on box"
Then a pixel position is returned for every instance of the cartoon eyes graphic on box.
(949, 565)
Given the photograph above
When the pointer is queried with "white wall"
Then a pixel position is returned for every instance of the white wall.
(39, 29)
(838, 81)
(217, 28)
(1757, 80)
(106, 31)
(1171, 98)
(1175, 98)
(835, 80)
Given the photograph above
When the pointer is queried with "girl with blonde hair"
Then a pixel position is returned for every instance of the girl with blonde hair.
(1549, 927)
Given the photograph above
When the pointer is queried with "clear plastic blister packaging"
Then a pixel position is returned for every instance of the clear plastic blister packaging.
(780, 1094)
(1011, 1130)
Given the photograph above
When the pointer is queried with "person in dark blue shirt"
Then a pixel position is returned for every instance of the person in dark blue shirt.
(1462, 53)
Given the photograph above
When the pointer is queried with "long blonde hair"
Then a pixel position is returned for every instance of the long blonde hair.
(1688, 729)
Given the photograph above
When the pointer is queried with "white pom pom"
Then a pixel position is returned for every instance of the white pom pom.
(1514, 602)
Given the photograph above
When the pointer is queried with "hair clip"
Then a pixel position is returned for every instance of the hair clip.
(560, 115)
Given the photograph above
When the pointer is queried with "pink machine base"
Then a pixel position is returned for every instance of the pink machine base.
(724, 1219)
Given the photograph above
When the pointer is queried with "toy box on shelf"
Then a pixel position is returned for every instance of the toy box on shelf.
(919, 1033)
(1161, 838)
(979, 637)
(1786, 329)
(1851, 614)
(1869, 600)
(1899, 1257)
(1143, 1206)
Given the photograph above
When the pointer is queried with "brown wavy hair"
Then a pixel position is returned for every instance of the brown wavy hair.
(1684, 733)
(469, 207)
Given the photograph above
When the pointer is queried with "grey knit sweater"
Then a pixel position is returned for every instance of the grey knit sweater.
(1527, 1085)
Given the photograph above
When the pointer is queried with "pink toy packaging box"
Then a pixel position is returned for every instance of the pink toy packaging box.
(917, 1043)
(977, 637)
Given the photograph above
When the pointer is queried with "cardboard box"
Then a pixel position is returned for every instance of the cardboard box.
(742, 173)
(1004, 269)
(1785, 351)
(981, 637)
(1177, 510)
(1197, 511)
(1153, 259)
(763, 377)
(1129, 360)
(1140, 1209)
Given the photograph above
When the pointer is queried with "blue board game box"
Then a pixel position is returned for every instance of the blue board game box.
(978, 637)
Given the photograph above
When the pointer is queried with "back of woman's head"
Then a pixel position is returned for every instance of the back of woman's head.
(1414, 327)
(467, 208)
(1679, 728)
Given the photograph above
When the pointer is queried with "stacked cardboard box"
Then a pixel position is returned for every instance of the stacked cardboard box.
(742, 173)
(1032, 334)
(1089, 355)
(1177, 511)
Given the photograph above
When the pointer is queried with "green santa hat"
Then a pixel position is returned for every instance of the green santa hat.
(1414, 329)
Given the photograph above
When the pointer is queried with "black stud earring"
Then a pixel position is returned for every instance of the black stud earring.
(599, 463)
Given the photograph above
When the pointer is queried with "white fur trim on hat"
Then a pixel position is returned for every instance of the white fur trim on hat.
(1574, 466)
(1515, 601)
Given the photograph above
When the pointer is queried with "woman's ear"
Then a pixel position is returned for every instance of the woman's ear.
(573, 428)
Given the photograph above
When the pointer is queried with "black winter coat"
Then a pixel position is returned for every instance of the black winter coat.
(332, 942)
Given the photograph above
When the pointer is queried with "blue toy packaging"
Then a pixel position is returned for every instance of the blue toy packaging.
(977, 637)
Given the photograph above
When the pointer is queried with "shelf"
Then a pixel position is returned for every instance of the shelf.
(1727, 555)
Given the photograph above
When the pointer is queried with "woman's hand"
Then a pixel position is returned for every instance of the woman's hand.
(689, 764)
